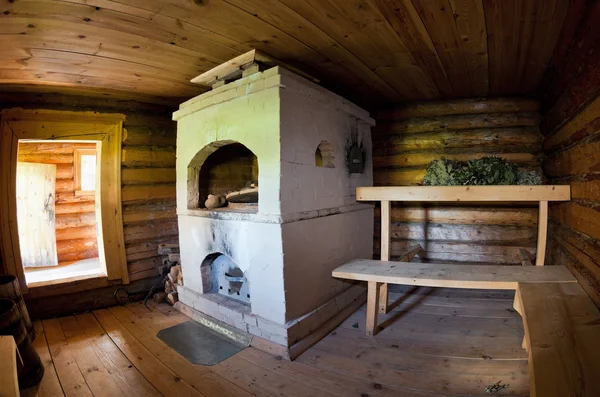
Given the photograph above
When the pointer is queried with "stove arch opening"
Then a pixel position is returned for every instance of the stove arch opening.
(223, 169)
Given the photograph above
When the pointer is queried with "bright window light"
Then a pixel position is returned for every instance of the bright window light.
(88, 172)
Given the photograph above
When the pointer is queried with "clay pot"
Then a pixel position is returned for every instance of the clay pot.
(215, 201)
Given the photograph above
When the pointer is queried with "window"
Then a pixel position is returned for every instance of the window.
(84, 171)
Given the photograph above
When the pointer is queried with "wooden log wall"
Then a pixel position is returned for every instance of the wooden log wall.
(75, 215)
(148, 195)
(408, 138)
(571, 125)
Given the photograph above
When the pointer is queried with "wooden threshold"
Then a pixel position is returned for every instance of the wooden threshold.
(67, 280)
(68, 286)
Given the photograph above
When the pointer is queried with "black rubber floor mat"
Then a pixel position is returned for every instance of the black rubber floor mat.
(199, 344)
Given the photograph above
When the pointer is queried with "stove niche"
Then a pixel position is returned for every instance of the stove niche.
(224, 169)
(222, 276)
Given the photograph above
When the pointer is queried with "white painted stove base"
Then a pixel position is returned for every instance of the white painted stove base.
(256, 248)
(282, 287)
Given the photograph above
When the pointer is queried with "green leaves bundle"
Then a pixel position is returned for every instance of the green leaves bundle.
(489, 170)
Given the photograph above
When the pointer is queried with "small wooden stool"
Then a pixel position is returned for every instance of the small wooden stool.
(9, 384)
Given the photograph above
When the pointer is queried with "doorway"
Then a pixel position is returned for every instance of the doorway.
(56, 210)
(106, 131)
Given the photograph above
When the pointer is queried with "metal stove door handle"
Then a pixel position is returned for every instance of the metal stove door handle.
(234, 279)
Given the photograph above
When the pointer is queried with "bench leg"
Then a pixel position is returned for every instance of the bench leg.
(542, 234)
(386, 242)
(384, 298)
(517, 302)
(518, 306)
(372, 307)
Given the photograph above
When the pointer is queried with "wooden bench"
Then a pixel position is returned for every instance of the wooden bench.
(562, 324)
(380, 273)
(562, 337)
(475, 194)
(377, 273)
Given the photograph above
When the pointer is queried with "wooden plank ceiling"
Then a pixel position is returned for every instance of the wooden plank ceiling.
(372, 51)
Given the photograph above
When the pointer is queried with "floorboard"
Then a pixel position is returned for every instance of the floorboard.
(69, 374)
(199, 377)
(148, 363)
(434, 342)
(49, 386)
(97, 376)
(153, 318)
(131, 381)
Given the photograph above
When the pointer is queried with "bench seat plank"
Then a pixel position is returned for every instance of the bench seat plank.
(449, 275)
(562, 327)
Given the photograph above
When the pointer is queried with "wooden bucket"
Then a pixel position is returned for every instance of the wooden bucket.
(31, 371)
(9, 289)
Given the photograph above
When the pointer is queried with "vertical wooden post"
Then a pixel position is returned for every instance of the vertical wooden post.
(542, 234)
(372, 305)
(386, 220)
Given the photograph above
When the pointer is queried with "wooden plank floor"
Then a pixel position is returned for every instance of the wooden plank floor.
(435, 342)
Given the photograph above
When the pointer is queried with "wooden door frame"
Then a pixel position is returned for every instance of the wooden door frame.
(27, 124)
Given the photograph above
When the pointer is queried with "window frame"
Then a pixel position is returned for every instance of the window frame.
(78, 152)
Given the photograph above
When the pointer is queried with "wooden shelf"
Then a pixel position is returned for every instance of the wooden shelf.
(465, 193)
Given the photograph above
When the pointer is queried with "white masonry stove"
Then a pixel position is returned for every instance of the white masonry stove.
(263, 265)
